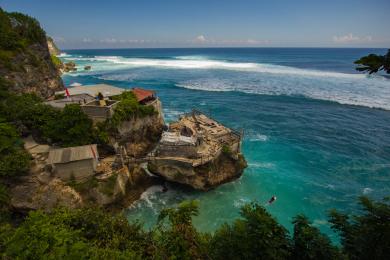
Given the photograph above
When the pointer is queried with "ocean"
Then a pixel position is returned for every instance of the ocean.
(317, 132)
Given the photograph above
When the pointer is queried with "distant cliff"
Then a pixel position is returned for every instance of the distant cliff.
(53, 49)
(25, 60)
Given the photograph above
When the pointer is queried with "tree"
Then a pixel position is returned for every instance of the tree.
(179, 239)
(69, 127)
(309, 243)
(374, 63)
(256, 235)
(366, 236)
(14, 160)
(73, 234)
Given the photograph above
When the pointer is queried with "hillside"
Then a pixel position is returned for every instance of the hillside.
(25, 60)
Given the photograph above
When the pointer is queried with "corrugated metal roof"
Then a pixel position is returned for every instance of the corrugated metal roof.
(76, 153)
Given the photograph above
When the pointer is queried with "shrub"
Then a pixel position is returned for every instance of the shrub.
(14, 160)
(129, 108)
(366, 236)
(256, 235)
(56, 61)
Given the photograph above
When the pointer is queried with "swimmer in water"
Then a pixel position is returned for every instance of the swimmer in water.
(165, 188)
(272, 200)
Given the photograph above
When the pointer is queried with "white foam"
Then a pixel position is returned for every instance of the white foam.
(261, 165)
(190, 62)
(258, 138)
(257, 78)
(367, 190)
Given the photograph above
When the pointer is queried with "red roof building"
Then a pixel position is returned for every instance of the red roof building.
(143, 95)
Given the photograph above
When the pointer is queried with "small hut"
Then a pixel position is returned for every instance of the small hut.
(78, 162)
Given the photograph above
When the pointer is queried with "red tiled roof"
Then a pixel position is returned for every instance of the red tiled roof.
(142, 94)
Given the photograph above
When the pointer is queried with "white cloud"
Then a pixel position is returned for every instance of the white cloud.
(109, 40)
(200, 39)
(350, 38)
(87, 40)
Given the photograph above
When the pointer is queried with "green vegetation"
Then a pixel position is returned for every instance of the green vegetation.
(373, 63)
(108, 186)
(67, 127)
(83, 186)
(18, 31)
(14, 160)
(56, 61)
(129, 108)
(93, 234)
(226, 150)
(366, 236)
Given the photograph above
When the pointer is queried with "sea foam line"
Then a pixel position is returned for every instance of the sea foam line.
(200, 63)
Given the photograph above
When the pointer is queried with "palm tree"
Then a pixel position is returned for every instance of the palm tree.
(374, 63)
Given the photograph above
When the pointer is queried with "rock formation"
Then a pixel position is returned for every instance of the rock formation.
(53, 49)
(199, 152)
(25, 60)
(140, 135)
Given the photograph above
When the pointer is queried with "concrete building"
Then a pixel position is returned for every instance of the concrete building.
(73, 99)
(78, 163)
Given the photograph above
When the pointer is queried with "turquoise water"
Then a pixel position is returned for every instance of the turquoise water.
(317, 133)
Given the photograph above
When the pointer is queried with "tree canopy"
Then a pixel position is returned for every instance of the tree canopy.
(373, 63)
(94, 234)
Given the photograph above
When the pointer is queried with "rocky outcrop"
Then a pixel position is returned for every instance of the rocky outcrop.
(53, 49)
(121, 188)
(139, 135)
(42, 192)
(68, 67)
(45, 191)
(34, 73)
(25, 60)
(223, 169)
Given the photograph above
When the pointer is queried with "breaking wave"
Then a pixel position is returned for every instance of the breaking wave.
(202, 73)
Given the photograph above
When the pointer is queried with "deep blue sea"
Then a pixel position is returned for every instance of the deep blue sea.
(317, 133)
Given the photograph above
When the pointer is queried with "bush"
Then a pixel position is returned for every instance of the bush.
(14, 160)
(256, 235)
(309, 243)
(56, 61)
(129, 108)
(366, 236)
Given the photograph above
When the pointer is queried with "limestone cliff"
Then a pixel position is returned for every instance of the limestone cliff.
(224, 168)
(53, 49)
(25, 60)
(139, 135)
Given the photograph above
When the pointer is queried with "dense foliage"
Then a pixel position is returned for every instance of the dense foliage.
(366, 236)
(14, 160)
(373, 63)
(129, 108)
(93, 234)
(18, 31)
(67, 127)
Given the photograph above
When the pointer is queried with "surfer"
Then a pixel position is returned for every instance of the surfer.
(272, 200)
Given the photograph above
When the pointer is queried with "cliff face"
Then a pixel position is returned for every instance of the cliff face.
(139, 135)
(224, 168)
(53, 49)
(25, 60)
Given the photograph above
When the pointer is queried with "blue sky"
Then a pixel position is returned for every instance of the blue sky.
(211, 23)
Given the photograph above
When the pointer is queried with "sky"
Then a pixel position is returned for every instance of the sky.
(90, 24)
